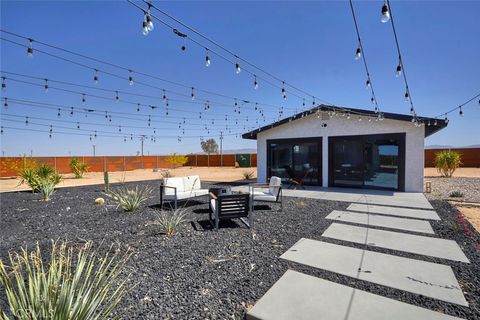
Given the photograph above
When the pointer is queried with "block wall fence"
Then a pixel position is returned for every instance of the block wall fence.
(470, 158)
(123, 163)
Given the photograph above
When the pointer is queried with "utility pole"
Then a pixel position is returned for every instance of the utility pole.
(221, 148)
(93, 150)
(141, 140)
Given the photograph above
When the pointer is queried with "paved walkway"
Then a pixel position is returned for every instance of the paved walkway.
(301, 296)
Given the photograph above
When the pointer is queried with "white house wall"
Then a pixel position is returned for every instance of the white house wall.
(310, 126)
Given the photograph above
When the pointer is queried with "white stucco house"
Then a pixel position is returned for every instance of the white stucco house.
(343, 147)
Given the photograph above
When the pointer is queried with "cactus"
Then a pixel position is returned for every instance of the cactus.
(105, 181)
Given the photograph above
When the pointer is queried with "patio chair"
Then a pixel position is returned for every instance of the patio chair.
(271, 193)
(181, 188)
(230, 206)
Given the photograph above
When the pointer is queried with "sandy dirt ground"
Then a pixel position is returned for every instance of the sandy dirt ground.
(460, 172)
(207, 174)
(471, 211)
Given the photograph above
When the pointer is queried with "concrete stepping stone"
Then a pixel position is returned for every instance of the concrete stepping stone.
(402, 212)
(420, 277)
(433, 247)
(381, 221)
(302, 297)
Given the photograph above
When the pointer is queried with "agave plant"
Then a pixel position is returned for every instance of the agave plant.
(83, 285)
(170, 221)
(248, 175)
(46, 188)
(130, 199)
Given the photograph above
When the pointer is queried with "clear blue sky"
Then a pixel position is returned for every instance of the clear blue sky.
(309, 44)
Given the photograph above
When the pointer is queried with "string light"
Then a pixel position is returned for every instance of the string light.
(147, 24)
(368, 83)
(407, 95)
(207, 59)
(237, 67)
(193, 94)
(358, 53)
(398, 72)
(255, 82)
(30, 48)
(385, 13)
(460, 112)
(130, 78)
(5, 103)
(284, 93)
(116, 96)
(46, 85)
(95, 76)
(4, 85)
(83, 98)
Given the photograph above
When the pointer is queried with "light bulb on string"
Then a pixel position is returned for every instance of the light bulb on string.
(412, 110)
(237, 68)
(83, 98)
(148, 18)
(78, 125)
(385, 13)
(5, 103)
(358, 53)
(58, 113)
(71, 111)
(255, 82)
(313, 101)
(435, 122)
(130, 78)
(398, 72)
(4, 84)
(284, 93)
(192, 95)
(368, 83)
(407, 96)
(460, 112)
(46, 85)
(138, 107)
(95, 77)
(207, 59)
(30, 48)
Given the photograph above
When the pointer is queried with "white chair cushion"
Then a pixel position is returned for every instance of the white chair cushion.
(265, 197)
(176, 182)
(191, 183)
(275, 182)
(200, 192)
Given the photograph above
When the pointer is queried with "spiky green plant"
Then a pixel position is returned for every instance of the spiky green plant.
(80, 285)
(46, 188)
(78, 168)
(447, 162)
(35, 174)
(248, 175)
(130, 199)
(170, 221)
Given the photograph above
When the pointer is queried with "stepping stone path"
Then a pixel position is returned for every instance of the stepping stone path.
(303, 297)
(428, 246)
(381, 221)
(299, 296)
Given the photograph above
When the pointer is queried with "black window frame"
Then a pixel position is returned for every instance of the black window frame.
(318, 140)
(400, 137)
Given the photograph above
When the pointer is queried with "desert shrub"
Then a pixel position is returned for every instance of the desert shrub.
(166, 174)
(447, 162)
(36, 175)
(170, 221)
(72, 285)
(176, 160)
(248, 175)
(78, 168)
(456, 194)
(130, 199)
(46, 188)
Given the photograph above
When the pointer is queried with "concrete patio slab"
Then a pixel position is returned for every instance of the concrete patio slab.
(299, 296)
(381, 221)
(394, 211)
(366, 196)
(432, 280)
(433, 247)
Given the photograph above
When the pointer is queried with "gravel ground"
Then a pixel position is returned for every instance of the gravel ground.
(203, 274)
(442, 187)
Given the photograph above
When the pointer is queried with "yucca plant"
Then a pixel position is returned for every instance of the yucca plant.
(34, 174)
(46, 188)
(447, 162)
(78, 168)
(170, 221)
(130, 199)
(80, 285)
(248, 175)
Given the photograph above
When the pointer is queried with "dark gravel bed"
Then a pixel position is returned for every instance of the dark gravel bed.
(442, 187)
(203, 274)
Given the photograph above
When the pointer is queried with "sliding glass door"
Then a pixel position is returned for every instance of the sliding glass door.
(367, 161)
(298, 159)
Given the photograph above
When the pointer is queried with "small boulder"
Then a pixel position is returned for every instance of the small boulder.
(99, 201)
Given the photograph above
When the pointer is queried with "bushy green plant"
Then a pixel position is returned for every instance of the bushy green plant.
(130, 199)
(170, 221)
(456, 194)
(83, 285)
(36, 175)
(447, 162)
(78, 168)
(46, 188)
(248, 175)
